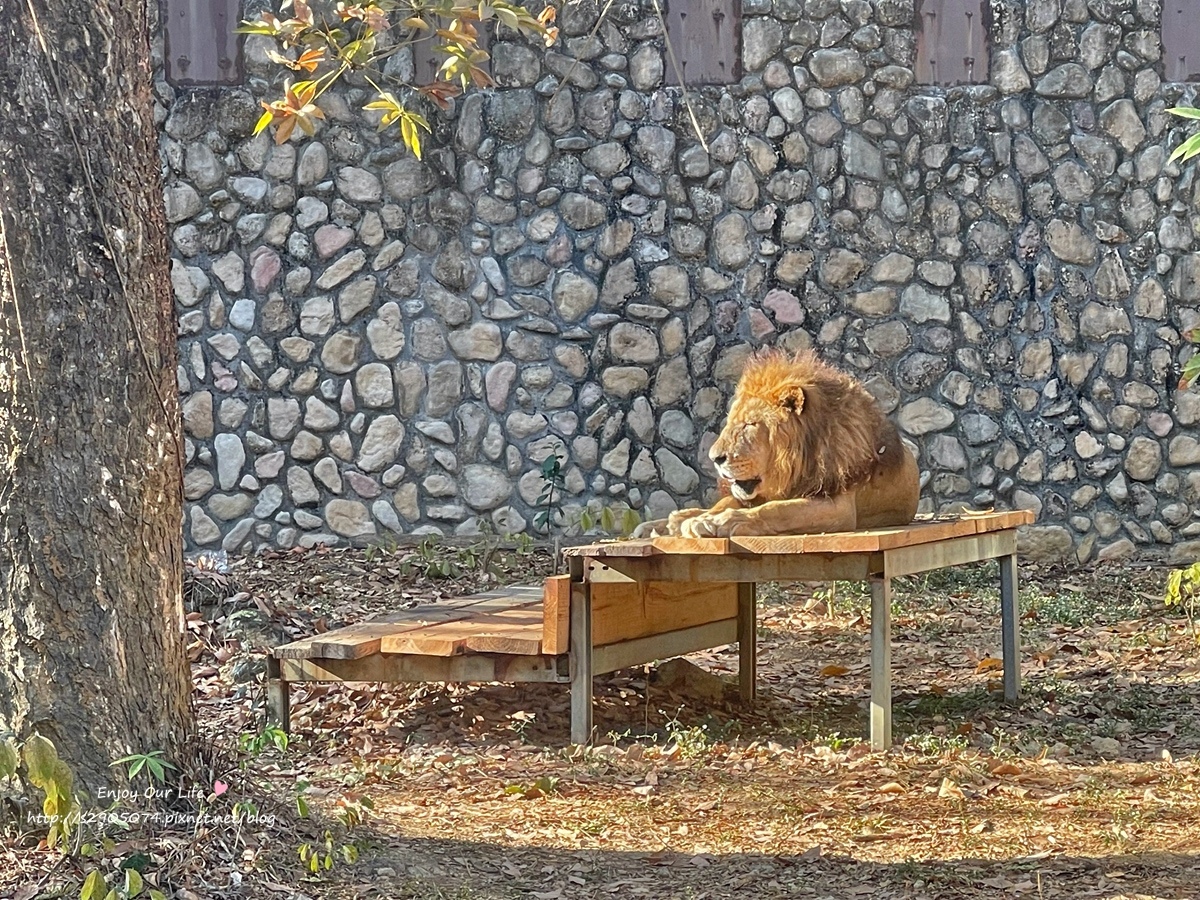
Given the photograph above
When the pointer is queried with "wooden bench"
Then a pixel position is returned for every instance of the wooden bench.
(626, 603)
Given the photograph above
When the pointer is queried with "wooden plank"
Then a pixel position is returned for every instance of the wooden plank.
(200, 46)
(515, 631)
(364, 639)
(704, 36)
(403, 668)
(956, 552)
(774, 567)
(662, 646)
(865, 541)
(858, 541)
(556, 614)
(625, 610)
(612, 548)
(694, 545)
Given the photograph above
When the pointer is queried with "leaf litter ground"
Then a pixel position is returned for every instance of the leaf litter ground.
(1087, 788)
(1090, 787)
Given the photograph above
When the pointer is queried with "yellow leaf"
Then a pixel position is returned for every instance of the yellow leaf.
(40, 757)
(833, 671)
(263, 121)
(93, 885)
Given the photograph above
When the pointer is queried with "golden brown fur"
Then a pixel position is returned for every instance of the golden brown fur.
(804, 449)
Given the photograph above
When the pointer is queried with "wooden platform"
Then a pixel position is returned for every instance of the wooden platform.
(631, 602)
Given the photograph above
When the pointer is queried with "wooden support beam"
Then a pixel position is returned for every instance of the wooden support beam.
(881, 663)
(739, 569)
(556, 615)
(581, 663)
(747, 636)
(278, 700)
(400, 668)
(1010, 625)
(955, 552)
(661, 646)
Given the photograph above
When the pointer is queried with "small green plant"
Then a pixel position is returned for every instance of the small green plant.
(131, 884)
(1183, 591)
(539, 787)
(384, 547)
(270, 736)
(549, 502)
(692, 740)
(523, 544)
(430, 560)
(607, 521)
(54, 778)
(1185, 151)
(834, 740)
(320, 857)
(323, 855)
(152, 762)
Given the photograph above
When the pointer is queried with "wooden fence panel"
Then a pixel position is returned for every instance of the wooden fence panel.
(201, 47)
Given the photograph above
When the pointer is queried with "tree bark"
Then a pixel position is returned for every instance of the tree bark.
(91, 649)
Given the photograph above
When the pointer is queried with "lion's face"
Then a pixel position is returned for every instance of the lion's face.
(754, 451)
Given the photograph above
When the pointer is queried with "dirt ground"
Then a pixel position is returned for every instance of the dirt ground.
(1088, 788)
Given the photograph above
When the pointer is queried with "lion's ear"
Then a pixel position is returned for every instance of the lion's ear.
(792, 398)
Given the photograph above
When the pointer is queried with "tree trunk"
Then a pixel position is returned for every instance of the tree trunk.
(91, 649)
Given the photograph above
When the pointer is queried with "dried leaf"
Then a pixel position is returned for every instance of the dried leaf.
(950, 790)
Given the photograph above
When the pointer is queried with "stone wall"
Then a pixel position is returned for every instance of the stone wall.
(370, 343)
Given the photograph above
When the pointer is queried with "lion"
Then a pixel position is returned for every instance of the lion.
(805, 449)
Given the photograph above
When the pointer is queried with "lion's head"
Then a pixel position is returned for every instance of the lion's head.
(797, 428)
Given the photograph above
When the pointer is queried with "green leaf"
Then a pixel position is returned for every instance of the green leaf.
(1191, 370)
(1187, 149)
(256, 28)
(93, 885)
(133, 882)
(509, 18)
(40, 757)
(9, 759)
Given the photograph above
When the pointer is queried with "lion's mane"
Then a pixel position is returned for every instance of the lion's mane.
(839, 437)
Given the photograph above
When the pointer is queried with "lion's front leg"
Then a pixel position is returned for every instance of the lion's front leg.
(804, 516)
(717, 524)
(678, 519)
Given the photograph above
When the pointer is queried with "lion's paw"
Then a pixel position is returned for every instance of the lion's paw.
(710, 525)
(676, 519)
(651, 529)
